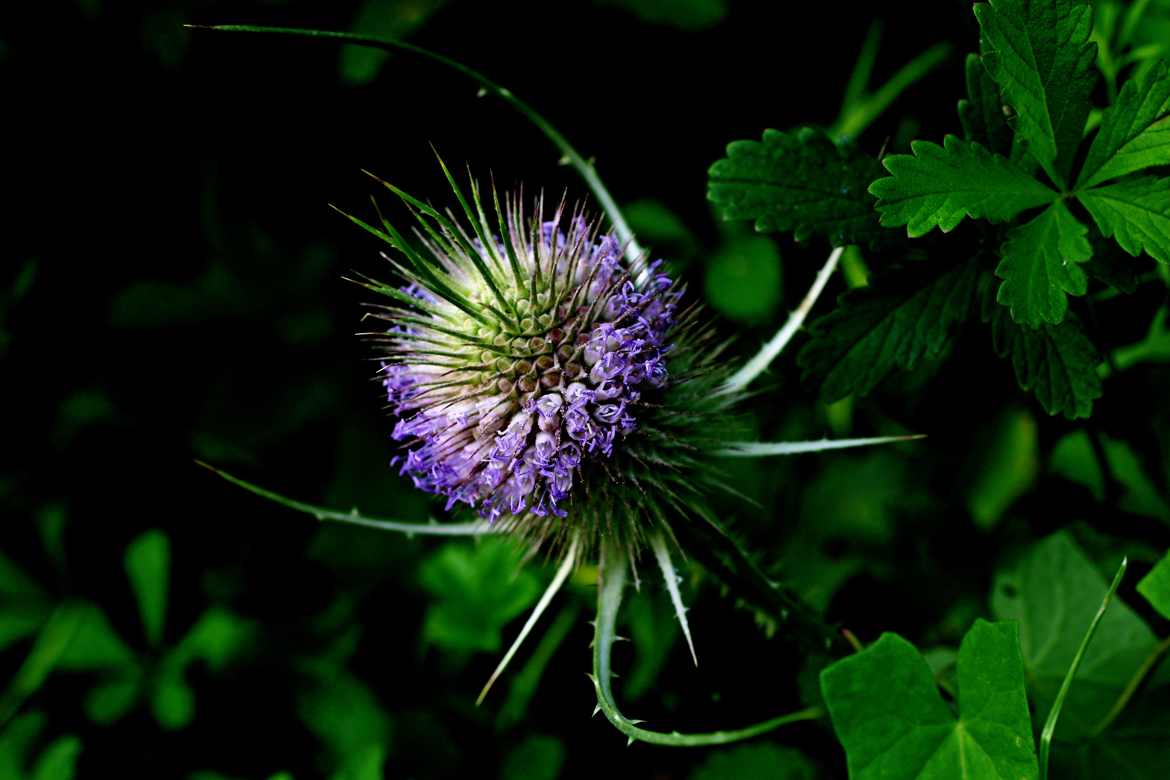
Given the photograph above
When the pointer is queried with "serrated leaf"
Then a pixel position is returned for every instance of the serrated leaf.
(904, 318)
(1040, 266)
(938, 186)
(477, 591)
(799, 181)
(893, 724)
(1155, 586)
(1056, 363)
(1039, 53)
(1135, 213)
(755, 762)
(981, 112)
(1134, 132)
(147, 561)
(1054, 592)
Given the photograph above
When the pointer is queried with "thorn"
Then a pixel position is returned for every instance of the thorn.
(596, 709)
(481, 92)
(617, 638)
(634, 721)
(630, 741)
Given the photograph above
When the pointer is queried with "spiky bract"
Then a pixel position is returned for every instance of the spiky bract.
(541, 377)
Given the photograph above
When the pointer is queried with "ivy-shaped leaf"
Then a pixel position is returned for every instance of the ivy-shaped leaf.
(799, 181)
(1056, 363)
(1134, 132)
(1054, 593)
(1039, 53)
(1135, 213)
(902, 319)
(1040, 266)
(894, 725)
(938, 186)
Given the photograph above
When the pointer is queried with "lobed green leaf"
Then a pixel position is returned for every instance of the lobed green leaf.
(1041, 266)
(938, 186)
(1039, 53)
(1134, 132)
(1135, 213)
(799, 181)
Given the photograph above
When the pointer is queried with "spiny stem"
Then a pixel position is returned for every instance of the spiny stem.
(570, 155)
(353, 517)
(769, 352)
(1066, 685)
(609, 599)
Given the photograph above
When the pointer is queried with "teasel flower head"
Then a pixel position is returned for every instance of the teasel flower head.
(542, 375)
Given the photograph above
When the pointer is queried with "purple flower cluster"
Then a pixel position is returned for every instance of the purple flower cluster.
(511, 438)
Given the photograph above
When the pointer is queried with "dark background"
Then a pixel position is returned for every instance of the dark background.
(175, 293)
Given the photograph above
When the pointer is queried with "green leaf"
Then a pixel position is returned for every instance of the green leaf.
(981, 112)
(1039, 53)
(147, 561)
(798, 181)
(15, 585)
(172, 700)
(95, 645)
(387, 19)
(1006, 467)
(366, 764)
(58, 761)
(893, 724)
(477, 590)
(1135, 213)
(1054, 592)
(217, 638)
(1134, 132)
(743, 279)
(937, 186)
(109, 701)
(343, 713)
(536, 758)
(904, 318)
(755, 762)
(1040, 265)
(1155, 586)
(1056, 363)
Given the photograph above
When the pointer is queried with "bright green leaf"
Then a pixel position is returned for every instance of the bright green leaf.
(536, 758)
(893, 724)
(1135, 213)
(1054, 592)
(1134, 132)
(365, 764)
(58, 761)
(148, 561)
(938, 186)
(21, 621)
(1006, 467)
(477, 590)
(756, 762)
(1040, 266)
(800, 181)
(904, 318)
(172, 700)
(95, 645)
(743, 279)
(1039, 53)
(1155, 586)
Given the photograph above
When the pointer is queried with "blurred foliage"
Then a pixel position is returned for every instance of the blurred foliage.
(180, 297)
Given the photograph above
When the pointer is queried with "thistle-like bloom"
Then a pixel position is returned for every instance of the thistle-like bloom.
(535, 372)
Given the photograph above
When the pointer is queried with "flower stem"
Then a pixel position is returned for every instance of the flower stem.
(570, 155)
(609, 599)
